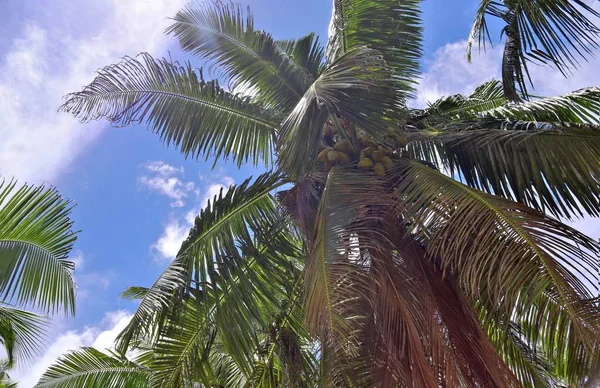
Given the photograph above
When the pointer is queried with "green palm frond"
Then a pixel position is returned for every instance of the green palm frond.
(88, 367)
(539, 254)
(195, 115)
(488, 101)
(389, 26)
(225, 34)
(234, 305)
(485, 98)
(35, 240)
(216, 230)
(551, 167)
(135, 293)
(358, 87)
(158, 299)
(231, 214)
(578, 107)
(21, 334)
(539, 343)
(306, 52)
(543, 31)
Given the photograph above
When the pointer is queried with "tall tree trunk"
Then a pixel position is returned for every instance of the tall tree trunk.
(511, 73)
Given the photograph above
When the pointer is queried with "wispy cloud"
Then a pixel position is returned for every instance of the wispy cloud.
(166, 180)
(449, 72)
(178, 226)
(86, 281)
(46, 60)
(100, 336)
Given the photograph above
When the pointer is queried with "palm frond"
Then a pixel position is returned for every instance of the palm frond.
(231, 214)
(538, 342)
(358, 87)
(225, 34)
(454, 347)
(215, 231)
(236, 304)
(158, 299)
(306, 52)
(337, 282)
(552, 167)
(36, 237)
(539, 254)
(578, 107)
(176, 103)
(486, 97)
(88, 367)
(548, 32)
(135, 293)
(21, 334)
(389, 26)
(488, 101)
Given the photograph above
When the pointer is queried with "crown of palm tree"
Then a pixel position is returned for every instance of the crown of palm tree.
(388, 246)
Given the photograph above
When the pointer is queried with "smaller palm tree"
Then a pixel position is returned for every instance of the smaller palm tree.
(35, 240)
(546, 32)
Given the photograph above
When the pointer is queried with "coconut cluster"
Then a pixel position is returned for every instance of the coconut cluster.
(372, 155)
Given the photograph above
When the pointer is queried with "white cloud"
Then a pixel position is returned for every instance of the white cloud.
(165, 180)
(178, 227)
(88, 282)
(46, 61)
(78, 259)
(100, 336)
(168, 244)
(450, 73)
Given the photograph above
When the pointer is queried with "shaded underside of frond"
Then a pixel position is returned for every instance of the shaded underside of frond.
(551, 167)
(524, 258)
(21, 334)
(306, 52)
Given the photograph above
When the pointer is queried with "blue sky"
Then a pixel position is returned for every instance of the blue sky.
(136, 197)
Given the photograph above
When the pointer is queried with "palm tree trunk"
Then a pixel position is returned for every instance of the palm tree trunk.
(510, 65)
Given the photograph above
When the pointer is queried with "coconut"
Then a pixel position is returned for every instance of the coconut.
(322, 157)
(379, 169)
(342, 145)
(376, 155)
(332, 156)
(387, 162)
(368, 151)
(365, 163)
(342, 158)
(402, 140)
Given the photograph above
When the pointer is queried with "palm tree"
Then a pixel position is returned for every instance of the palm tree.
(388, 246)
(35, 239)
(537, 31)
